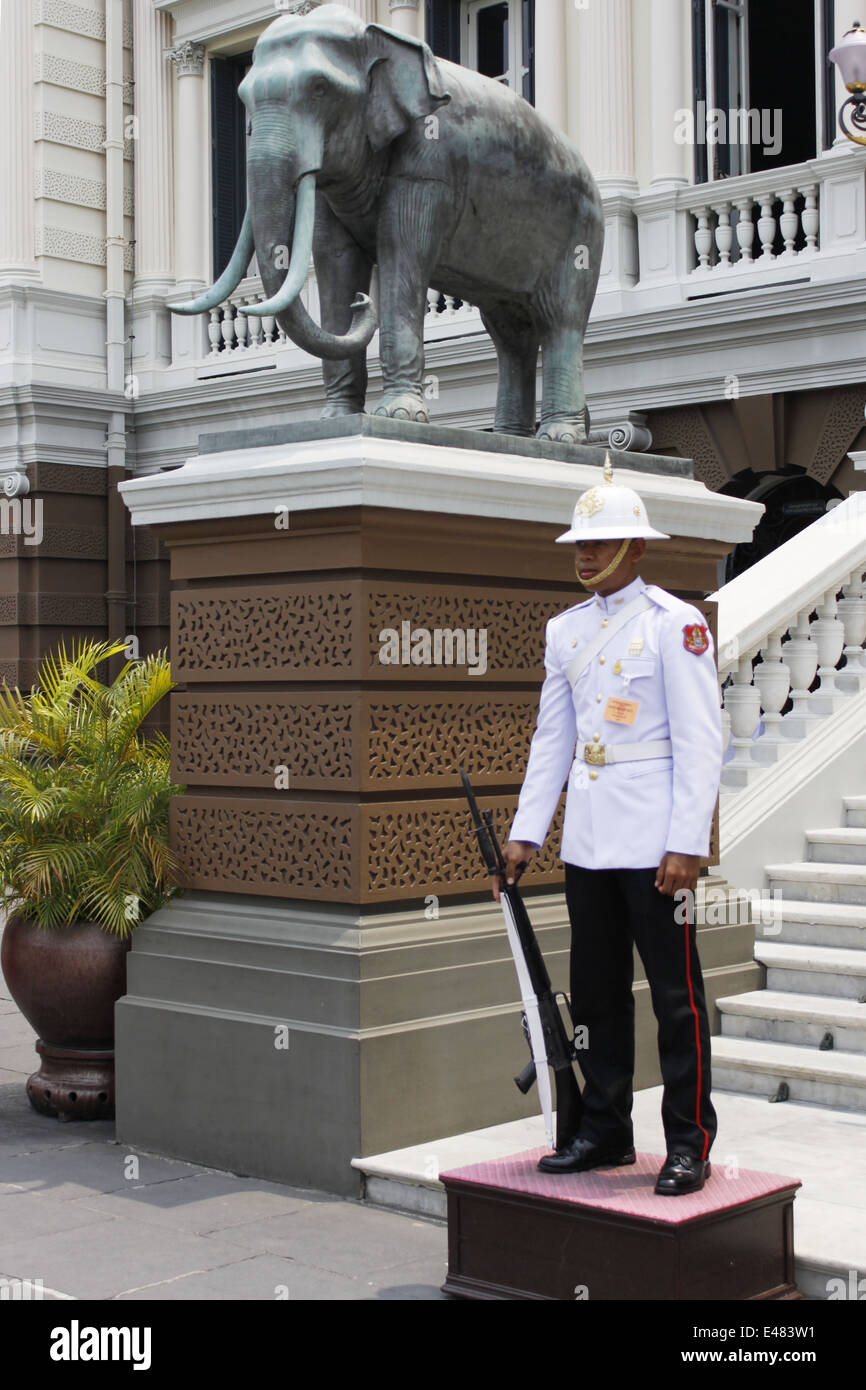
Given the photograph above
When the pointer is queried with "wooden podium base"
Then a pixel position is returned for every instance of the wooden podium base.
(516, 1233)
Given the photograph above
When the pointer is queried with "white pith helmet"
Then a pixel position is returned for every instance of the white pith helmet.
(610, 513)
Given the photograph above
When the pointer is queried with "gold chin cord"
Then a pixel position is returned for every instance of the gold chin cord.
(606, 573)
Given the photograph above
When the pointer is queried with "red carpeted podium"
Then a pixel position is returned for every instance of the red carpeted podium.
(514, 1232)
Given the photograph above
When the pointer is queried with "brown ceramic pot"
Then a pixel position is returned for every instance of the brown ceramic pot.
(66, 983)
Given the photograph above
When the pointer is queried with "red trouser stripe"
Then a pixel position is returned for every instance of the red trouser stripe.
(697, 1038)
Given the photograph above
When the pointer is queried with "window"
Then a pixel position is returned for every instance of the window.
(751, 112)
(495, 37)
(228, 155)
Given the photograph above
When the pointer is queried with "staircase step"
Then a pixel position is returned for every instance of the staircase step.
(819, 882)
(811, 924)
(842, 846)
(813, 969)
(751, 1067)
(801, 1019)
(855, 811)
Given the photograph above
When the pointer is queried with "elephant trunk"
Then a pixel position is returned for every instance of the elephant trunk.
(279, 216)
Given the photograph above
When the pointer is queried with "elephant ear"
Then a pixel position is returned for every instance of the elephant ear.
(404, 84)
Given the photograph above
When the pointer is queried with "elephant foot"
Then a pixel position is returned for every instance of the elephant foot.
(563, 431)
(336, 410)
(402, 405)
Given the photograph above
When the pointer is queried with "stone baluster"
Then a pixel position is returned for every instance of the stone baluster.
(743, 704)
(724, 236)
(801, 655)
(811, 217)
(228, 326)
(767, 227)
(241, 326)
(852, 613)
(269, 323)
(214, 332)
(703, 238)
(254, 323)
(773, 680)
(745, 231)
(789, 222)
(829, 634)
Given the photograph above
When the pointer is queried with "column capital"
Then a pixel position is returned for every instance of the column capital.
(188, 58)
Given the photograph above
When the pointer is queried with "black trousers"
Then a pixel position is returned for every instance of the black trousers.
(610, 909)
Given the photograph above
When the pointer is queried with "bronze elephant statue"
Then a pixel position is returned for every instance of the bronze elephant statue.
(367, 150)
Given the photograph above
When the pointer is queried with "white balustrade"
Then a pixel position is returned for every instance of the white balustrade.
(794, 615)
(724, 227)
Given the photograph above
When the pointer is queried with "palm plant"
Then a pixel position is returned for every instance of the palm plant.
(84, 793)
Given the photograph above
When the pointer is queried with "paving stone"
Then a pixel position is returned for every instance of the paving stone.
(87, 1169)
(114, 1255)
(204, 1202)
(259, 1277)
(27, 1214)
(346, 1238)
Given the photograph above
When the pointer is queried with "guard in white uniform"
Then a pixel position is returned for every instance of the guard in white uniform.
(629, 714)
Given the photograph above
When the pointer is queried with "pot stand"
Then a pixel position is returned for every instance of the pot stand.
(73, 1083)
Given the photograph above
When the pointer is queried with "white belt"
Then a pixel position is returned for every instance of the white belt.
(603, 754)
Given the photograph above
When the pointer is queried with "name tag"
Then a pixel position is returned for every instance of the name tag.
(621, 711)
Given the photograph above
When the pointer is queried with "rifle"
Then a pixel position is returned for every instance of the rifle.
(542, 1021)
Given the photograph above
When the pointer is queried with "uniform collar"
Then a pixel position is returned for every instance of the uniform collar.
(617, 601)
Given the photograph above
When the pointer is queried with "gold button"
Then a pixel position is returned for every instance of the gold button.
(574, 642)
(601, 660)
(593, 777)
(596, 737)
(604, 622)
(598, 699)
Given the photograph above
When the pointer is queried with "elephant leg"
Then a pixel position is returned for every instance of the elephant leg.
(563, 414)
(516, 340)
(342, 270)
(409, 236)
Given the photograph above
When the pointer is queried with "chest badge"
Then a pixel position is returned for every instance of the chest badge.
(636, 647)
(695, 639)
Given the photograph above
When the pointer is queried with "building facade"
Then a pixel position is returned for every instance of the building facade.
(728, 325)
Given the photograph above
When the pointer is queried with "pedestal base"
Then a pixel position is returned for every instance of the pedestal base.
(72, 1083)
(516, 1233)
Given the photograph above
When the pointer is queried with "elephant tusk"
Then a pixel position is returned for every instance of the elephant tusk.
(302, 246)
(230, 278)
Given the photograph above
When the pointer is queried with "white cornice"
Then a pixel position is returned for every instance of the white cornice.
(362, 471)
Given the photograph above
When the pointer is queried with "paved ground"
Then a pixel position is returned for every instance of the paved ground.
(92, 1219)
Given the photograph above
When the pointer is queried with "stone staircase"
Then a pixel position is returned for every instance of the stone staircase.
(807, 1029)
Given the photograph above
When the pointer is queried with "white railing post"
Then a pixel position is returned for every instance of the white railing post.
(801, 654)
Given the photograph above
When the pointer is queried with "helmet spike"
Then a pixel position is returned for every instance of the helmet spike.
(608, 469)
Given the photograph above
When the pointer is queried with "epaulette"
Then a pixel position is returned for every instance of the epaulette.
(663, 599)
(575, 607)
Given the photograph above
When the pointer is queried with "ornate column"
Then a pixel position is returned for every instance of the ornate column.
(670, 91)
(152, 146)
(606, 91)
(551, 83)
(405, 15)
(605, 120)
(189, 158)
(17, 259)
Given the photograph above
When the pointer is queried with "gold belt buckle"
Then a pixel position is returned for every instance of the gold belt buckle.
(593, 753)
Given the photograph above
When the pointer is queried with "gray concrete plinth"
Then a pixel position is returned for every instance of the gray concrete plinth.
(281, 1040)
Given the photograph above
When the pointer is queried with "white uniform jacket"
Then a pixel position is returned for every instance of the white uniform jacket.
(626, 815)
